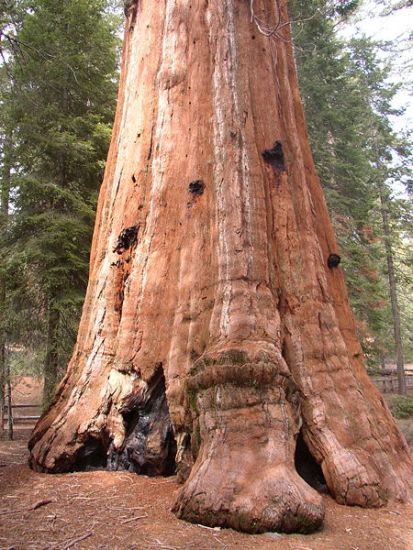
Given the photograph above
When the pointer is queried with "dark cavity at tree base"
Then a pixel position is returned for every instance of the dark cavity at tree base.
(149, 446)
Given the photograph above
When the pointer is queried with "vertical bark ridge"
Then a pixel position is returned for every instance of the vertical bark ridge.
(220, 401)
(354, 394)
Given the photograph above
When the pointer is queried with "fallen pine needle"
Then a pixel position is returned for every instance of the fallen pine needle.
(72, 542)
(126, 508)
(41, 503)
(133, 519)
(220, 542)
(10, 512)
(163, 546)
(210, 528)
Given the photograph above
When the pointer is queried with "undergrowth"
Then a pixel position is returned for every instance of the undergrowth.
(402, 406)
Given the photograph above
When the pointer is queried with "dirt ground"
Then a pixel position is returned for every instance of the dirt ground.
(115, 510)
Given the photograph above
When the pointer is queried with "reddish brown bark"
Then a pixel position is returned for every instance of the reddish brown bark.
(224, 299)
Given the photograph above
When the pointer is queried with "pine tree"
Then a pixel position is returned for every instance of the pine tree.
(342, 107)
(336, 110)
(10, 20)
(62, 107)
(5, 184)
(390, 157)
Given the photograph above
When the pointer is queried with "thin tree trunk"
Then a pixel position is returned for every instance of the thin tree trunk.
(401, 376)
(2, 355)
(4, 212)
(9, 400)
(214, 331)
(51, 362)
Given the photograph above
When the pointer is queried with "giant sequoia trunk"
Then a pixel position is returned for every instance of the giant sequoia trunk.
(216, 335)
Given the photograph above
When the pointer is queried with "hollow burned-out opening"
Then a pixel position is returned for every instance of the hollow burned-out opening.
(307, 467)
(126, 239)
(149, 447)
(333, 260)
(196, 187)
(92, 456)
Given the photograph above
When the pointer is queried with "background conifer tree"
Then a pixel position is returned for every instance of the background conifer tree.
(63, 76)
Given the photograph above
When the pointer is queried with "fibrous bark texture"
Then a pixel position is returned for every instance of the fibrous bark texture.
(214, 330)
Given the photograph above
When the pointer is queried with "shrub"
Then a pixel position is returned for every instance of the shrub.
(402, 406)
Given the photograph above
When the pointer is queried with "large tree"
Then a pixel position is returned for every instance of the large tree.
(216, 335)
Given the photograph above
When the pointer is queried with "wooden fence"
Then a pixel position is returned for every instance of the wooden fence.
(390, 384)
(386, 384)
(9, 419)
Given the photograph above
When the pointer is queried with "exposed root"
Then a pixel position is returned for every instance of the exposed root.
(244, 476)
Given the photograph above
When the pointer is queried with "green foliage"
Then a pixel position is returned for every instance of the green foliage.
(26, 360)
(58, 97)
(402, 406)
(391, 6)
(348, 102)
(10, 18)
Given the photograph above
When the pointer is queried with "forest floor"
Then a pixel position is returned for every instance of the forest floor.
(118, 510)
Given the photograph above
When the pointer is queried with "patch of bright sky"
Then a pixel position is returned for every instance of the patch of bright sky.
(395, 29)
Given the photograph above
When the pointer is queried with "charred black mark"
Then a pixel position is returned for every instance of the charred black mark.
(126, 239)
(275, 157)
(116, 264)
(146, 418)
(307, 467)
(133, 178)
(196, 187)
(333, 260)
(150, 146)
(149, 447)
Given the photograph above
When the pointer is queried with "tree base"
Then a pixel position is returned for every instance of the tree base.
(244, 476)
(134, 434)
(249, 456)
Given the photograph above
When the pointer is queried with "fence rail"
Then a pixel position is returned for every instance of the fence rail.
(386, 384)
(390, 384)
(19, 418)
